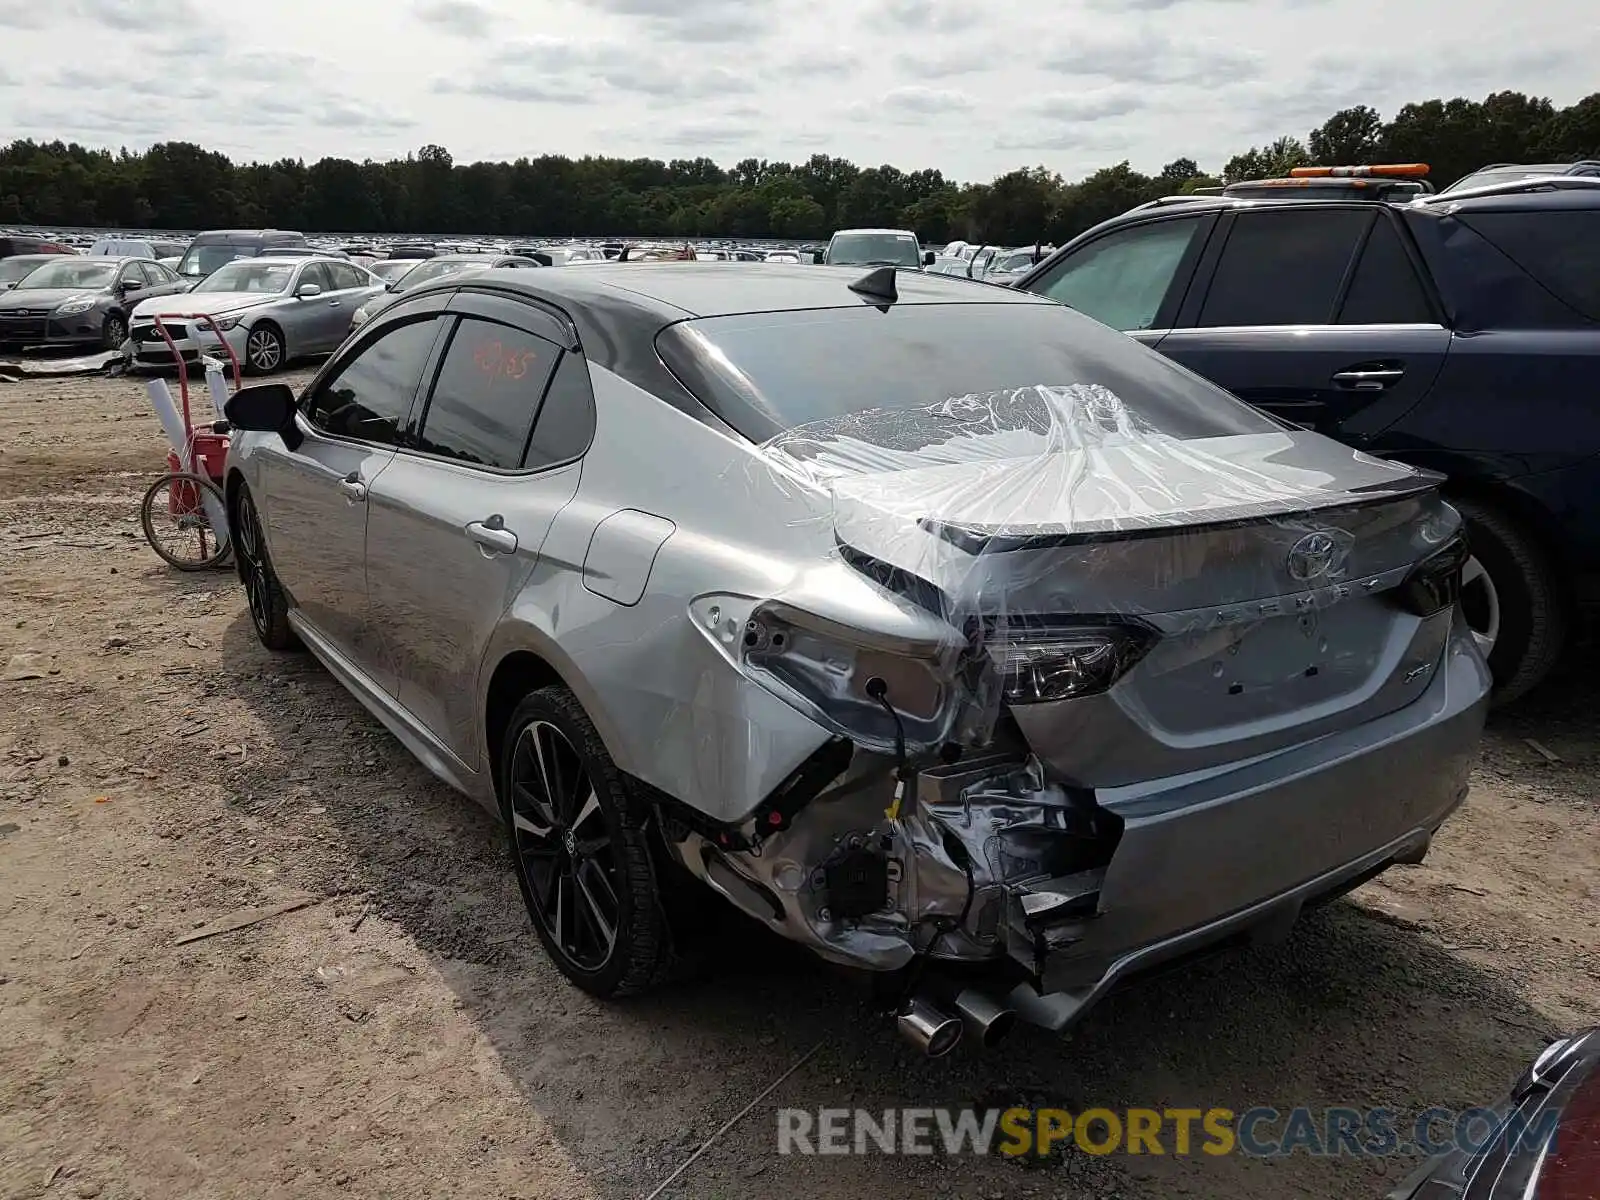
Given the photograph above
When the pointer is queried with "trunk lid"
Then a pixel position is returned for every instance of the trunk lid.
(1261, 562)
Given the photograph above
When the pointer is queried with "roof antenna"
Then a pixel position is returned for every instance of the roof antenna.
(878, 284)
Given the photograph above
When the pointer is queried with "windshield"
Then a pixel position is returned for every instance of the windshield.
(891, 249)
(13, 269)
(247, 276)
(391, 269)
(766, 373)
(200, 261)
(434, 268)
(70, 273)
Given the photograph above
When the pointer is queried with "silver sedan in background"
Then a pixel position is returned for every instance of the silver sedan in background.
(436, 268)
(270, 310)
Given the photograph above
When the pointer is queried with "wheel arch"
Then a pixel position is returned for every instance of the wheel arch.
(525, 660)
(1529, 517)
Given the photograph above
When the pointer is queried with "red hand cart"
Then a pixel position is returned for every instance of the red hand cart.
(183, 512)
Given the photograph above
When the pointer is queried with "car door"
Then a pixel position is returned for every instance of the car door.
(1132, 277)
(458, 519)
(351, 290)
(1317, 313)
(352, 418)
(130, 283)
(332, 308)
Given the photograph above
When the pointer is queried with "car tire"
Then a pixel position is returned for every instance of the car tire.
(113, 331)
(267, 602)
(583, 860)
(264, 350)
(1511, 590)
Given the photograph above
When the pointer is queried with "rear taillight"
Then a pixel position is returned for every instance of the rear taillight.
(1042, 664)
(1435, 583)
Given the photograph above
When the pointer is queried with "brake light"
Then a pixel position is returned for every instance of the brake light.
(1435, 583)
(1386, 170)
(1063, 664)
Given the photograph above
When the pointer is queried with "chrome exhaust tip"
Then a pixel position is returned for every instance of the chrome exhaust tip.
(984, 1017)
(929, 1029)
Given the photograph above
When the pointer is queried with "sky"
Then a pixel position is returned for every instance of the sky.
(973, 89)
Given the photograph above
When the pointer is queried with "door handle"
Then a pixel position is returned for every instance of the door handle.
(333, 304)
(492, 534)
(1371, 379)
(352, 487)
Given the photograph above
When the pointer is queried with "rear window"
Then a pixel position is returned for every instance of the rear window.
(765, 373)
(1559, 248)
(202, 259)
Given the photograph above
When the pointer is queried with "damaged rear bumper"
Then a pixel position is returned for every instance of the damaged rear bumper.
(1236, 854)
(1000, 875)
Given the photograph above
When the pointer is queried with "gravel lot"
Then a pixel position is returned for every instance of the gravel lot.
(402, 1034)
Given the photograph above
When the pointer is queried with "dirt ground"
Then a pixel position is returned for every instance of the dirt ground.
(402, 1035)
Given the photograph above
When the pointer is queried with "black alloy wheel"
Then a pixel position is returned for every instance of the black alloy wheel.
(564, 845)
(578, 834)
(269, 607)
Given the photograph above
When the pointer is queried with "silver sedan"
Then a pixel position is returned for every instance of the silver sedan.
(270, 310)
(937, 627)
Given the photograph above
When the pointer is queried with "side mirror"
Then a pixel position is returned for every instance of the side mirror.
(927, 258)
(129, 285)
(817, 256)
(264, 408)
(307, 291)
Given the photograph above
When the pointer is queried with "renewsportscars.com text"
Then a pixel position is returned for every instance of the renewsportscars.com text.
(1256, 1132)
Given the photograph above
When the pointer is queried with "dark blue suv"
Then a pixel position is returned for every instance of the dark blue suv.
(1459, 332)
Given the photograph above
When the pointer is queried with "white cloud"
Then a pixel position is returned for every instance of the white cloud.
(971, 89)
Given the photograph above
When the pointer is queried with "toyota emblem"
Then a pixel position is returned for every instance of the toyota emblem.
(1313, 556)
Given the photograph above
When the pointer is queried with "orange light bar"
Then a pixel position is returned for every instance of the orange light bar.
(1288, 183)
(1388, 170)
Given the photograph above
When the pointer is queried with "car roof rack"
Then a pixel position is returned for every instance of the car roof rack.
(1582, 162)
(1512, 187)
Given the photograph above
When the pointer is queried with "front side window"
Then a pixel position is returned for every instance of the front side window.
(1284, 266)
(486, 395)
(370, 396)
(1122, 278)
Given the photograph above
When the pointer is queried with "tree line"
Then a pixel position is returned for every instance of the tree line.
(181, 186)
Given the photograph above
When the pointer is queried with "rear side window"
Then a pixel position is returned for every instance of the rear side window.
(370, 396)
(566, 419)
(1283, 267)
(486, 395)
(1385, 290)
(1122, 278)
(1559, 248)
